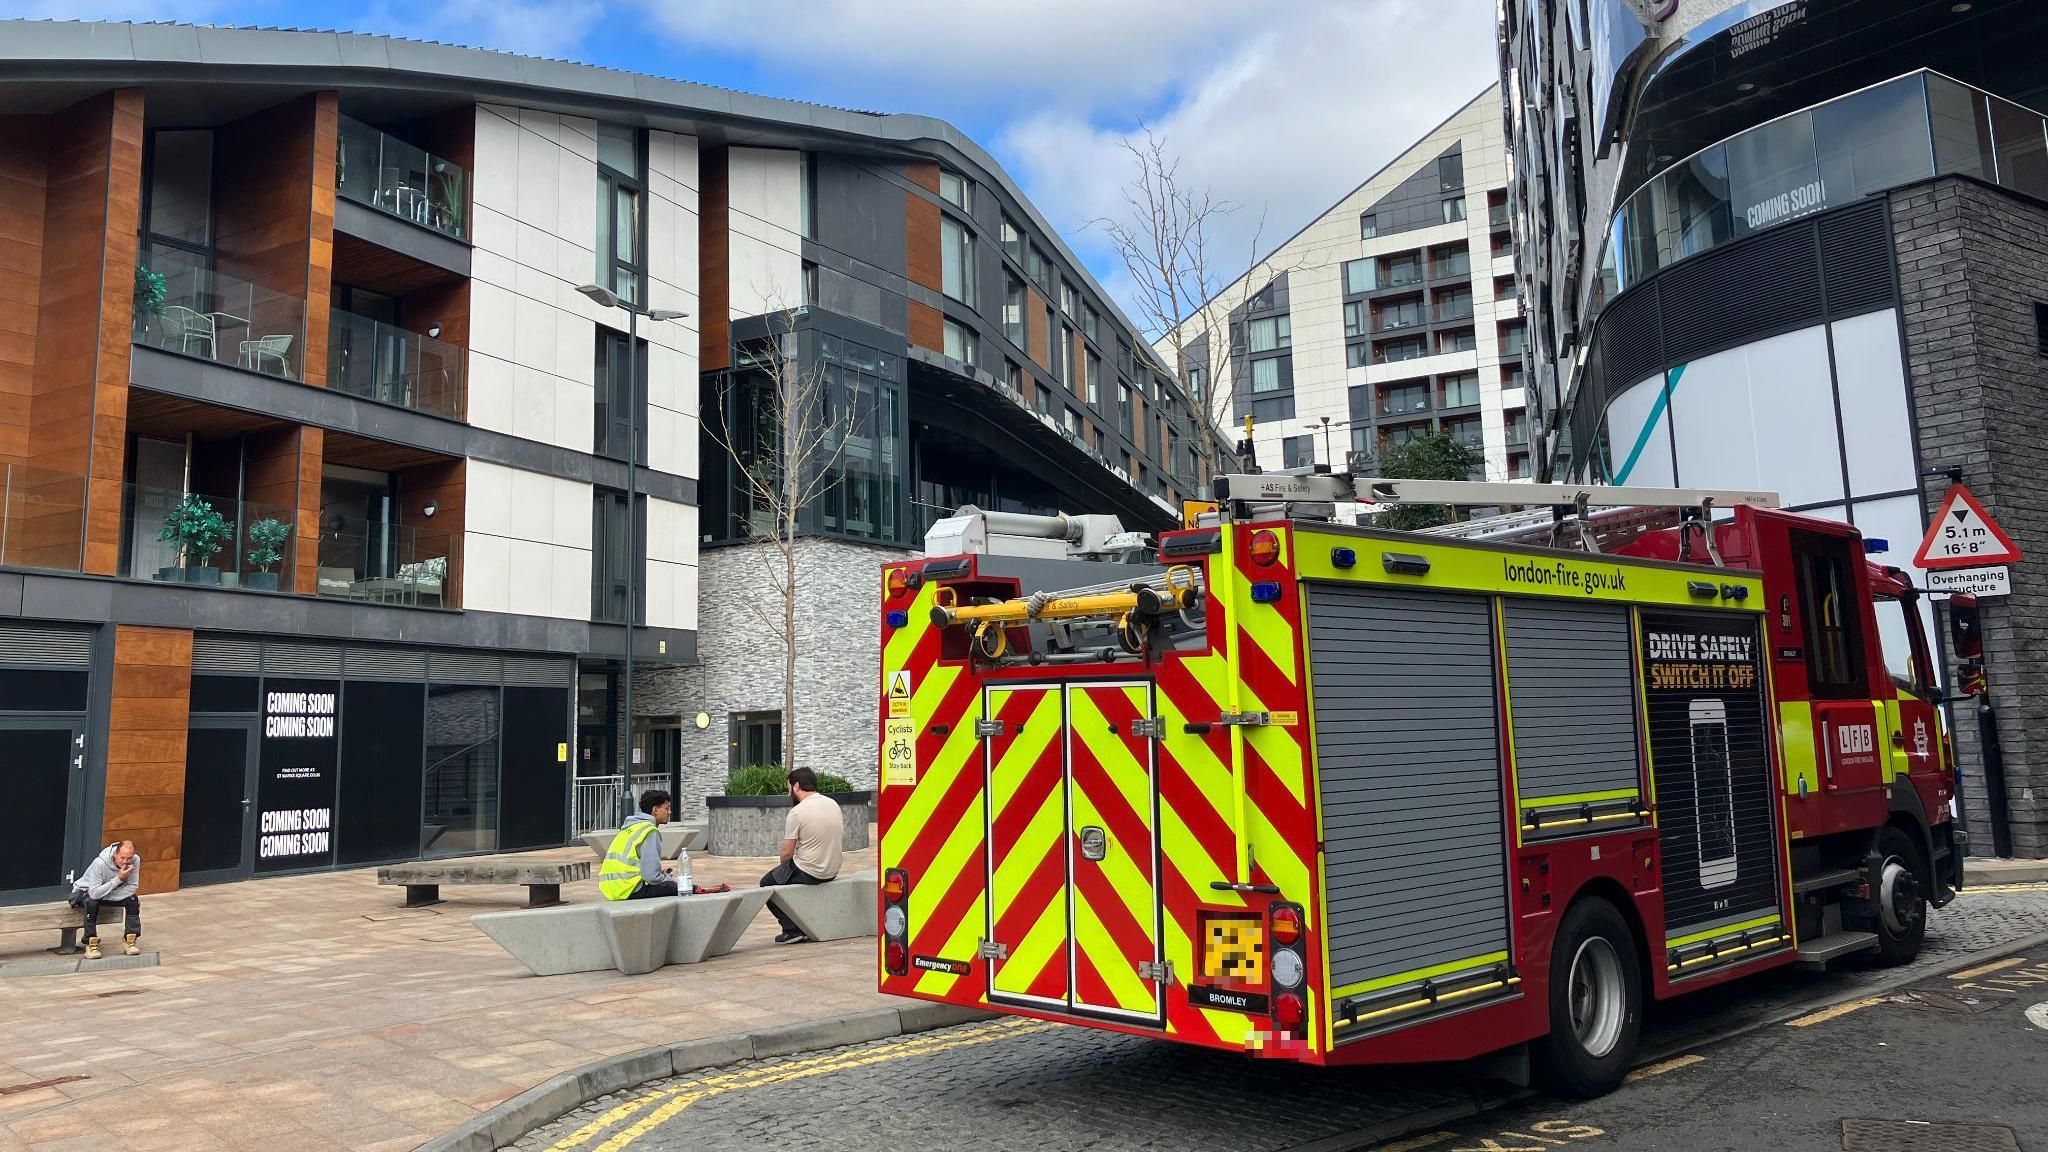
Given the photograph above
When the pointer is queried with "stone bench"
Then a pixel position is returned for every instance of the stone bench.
(675, 839)
(839, 909)
(423, 880)
(631, 936)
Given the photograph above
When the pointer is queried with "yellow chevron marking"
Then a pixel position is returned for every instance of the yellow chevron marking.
(938, 779)
(1278, 749)
(1041, 838)
(897, 653)
(1118, 971)
(1128, 776)
(1044, 944)
(958, 946)
(957, 863)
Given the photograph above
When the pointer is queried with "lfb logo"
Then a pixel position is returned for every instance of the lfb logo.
(1855, 739)
(1920, 741)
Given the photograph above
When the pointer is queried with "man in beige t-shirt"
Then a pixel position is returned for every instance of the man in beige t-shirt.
(811, 839)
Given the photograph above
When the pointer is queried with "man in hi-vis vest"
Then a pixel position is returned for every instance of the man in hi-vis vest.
(633, 868)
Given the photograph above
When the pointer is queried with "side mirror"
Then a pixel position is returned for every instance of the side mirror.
(1965, 626)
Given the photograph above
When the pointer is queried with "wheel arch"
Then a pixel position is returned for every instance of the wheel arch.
(1609, 889)
(1909, 816)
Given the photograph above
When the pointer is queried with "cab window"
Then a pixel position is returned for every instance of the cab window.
(1897, 630)
(1828, 606)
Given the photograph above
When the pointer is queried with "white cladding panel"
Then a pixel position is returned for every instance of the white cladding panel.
(1760, 416)
(526, 545)
(1875, 423)
(766, 216)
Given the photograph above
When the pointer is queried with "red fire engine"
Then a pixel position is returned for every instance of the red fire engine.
(1350, 796)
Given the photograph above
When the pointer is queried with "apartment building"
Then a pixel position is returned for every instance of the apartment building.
(1393, 314)
(319, 543)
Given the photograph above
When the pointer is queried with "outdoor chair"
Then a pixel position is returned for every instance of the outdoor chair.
(189, 328)
(265, 348)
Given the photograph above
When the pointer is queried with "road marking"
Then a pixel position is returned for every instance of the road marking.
(1663, 1066)
(2038, 1015)
(1415, 1143)
(680, 1096)
(2000, 889)
(1827, 1014)
(1987, 969)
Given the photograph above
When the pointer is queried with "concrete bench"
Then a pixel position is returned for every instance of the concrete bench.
(423, 880)
(67, 922)
(675, 839)
(839, 909)
(631, 936)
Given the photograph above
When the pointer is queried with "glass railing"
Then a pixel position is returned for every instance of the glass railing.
(1460, 309)
(214, 316)
(178, 537)
(1446, 269)
(393, 365)
(394, 177)
(1913, 128)
(1395, 353)
(1401, 274)
(1390, 321)
(384, 563)
(1402, 406)
(42, 518)
(1497, 216)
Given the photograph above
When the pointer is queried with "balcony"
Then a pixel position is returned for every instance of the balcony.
(42, 519)
(1401, 275)
(214, 316)
(380, 171)
(392, 365)
(1402, 405)
(177, 537)
(1497, 216)
(379, 562)
(1450, 310)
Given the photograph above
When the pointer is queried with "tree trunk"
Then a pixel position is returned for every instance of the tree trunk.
(789, 652)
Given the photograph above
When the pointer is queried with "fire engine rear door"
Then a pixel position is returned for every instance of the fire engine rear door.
(1027, 859)
(1112, 846)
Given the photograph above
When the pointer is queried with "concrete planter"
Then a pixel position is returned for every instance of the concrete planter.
(752, 825)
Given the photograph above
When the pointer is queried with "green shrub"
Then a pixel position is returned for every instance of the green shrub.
(771, 780)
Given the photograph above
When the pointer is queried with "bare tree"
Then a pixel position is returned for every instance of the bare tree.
(1165, 240)
(801, 420)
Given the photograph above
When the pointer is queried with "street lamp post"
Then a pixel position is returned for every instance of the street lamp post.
(1327, 458)
(606, 298)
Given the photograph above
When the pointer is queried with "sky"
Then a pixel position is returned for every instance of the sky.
(1280, 108)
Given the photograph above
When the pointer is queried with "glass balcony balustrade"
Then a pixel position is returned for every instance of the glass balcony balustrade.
(212, 315)
(393, 365)
(381, 171)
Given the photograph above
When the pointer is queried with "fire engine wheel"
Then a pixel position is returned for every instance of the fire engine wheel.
(1901, 902)
(1596, 1005)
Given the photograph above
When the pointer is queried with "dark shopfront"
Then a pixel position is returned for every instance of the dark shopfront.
(304, 756)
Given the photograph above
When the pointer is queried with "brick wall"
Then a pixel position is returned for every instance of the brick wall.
(740, 661)
(1973, 261)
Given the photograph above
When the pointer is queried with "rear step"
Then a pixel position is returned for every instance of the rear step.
(1822, 881)
(1816, 953)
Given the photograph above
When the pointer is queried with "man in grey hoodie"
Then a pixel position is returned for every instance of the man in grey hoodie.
(111, 879)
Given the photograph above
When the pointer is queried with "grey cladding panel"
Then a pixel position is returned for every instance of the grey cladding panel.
(1572, 698)
(1407, 741)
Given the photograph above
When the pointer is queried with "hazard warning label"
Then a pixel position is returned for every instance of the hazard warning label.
(899, 694)
(1963, 535)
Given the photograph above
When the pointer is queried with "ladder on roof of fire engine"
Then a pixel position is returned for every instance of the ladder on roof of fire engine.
(1570, 506)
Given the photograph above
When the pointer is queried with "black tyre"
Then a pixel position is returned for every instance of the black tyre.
(1596, 1003)
(1900, 897)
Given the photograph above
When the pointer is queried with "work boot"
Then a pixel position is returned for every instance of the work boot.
(129, 946)
(92, 948)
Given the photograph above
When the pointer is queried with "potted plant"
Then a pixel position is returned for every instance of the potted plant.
(747, 820)
(268, 535)
(199, 532)
(151, 290)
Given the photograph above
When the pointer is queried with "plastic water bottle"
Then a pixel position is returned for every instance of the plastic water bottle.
(683, 885)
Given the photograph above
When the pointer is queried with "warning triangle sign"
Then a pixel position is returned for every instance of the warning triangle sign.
(1963, 535)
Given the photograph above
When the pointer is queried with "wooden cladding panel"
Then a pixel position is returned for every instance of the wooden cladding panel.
(444, 483)
(924, 174)
(1037, 339)
(306, 565)
(147, 721)
(921, 242)
(320, 235)
(927, 327)
(24, 178)
(264, 209)
(109, 441)
(714, 247)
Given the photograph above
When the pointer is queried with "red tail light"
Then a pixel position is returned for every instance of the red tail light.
(899, 582)
(1285, 925)
(896, 956)
(1288, 1012)
(1265, 547)
(895, 885)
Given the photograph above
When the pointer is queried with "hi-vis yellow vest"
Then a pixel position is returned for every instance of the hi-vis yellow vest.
(620, 873)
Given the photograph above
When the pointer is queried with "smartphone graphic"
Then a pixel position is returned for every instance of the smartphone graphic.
(1713, 793)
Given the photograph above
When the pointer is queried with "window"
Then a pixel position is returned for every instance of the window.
(956, 254)
(1095, 442)
(1073, 420)
(1043, 399)
(1062, 346)
(1354, 318)
(1269, 333)
(1368, 226)
(1514, 377)
(1461, 390)
(1297, 451)
(2041, 328)
(1038, 270)
(615, 418)
(1455, 304)
(1394, 351)
(1092, 378)
(1358, 276)
(955, 190)
(1450, 172)
(1013, 240)
(1513, 340)
(611, 551)
(1402, 269)
(1014, 377)
(1454, 209)
(1013, 310)
(1069, 299)
(807, 212)
(1517, 426)
(756, 738)
(1454, 260)
(1458, 340)
(1123, 407)
(1469, 431)
(1904, 643)
(1828, 604)
(1128, 366)
(621, 260)
(1398, 314)
(1403, 399)
(1266, 375)
(1357, 355)
(1089, 321)
(959, 343)
(1194, 383)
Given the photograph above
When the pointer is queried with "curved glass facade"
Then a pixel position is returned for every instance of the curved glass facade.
(1905, 130)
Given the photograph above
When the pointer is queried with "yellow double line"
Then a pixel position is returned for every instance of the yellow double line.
(663, 1104)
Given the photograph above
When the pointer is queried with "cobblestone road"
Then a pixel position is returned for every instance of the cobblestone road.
(1017, 1084)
